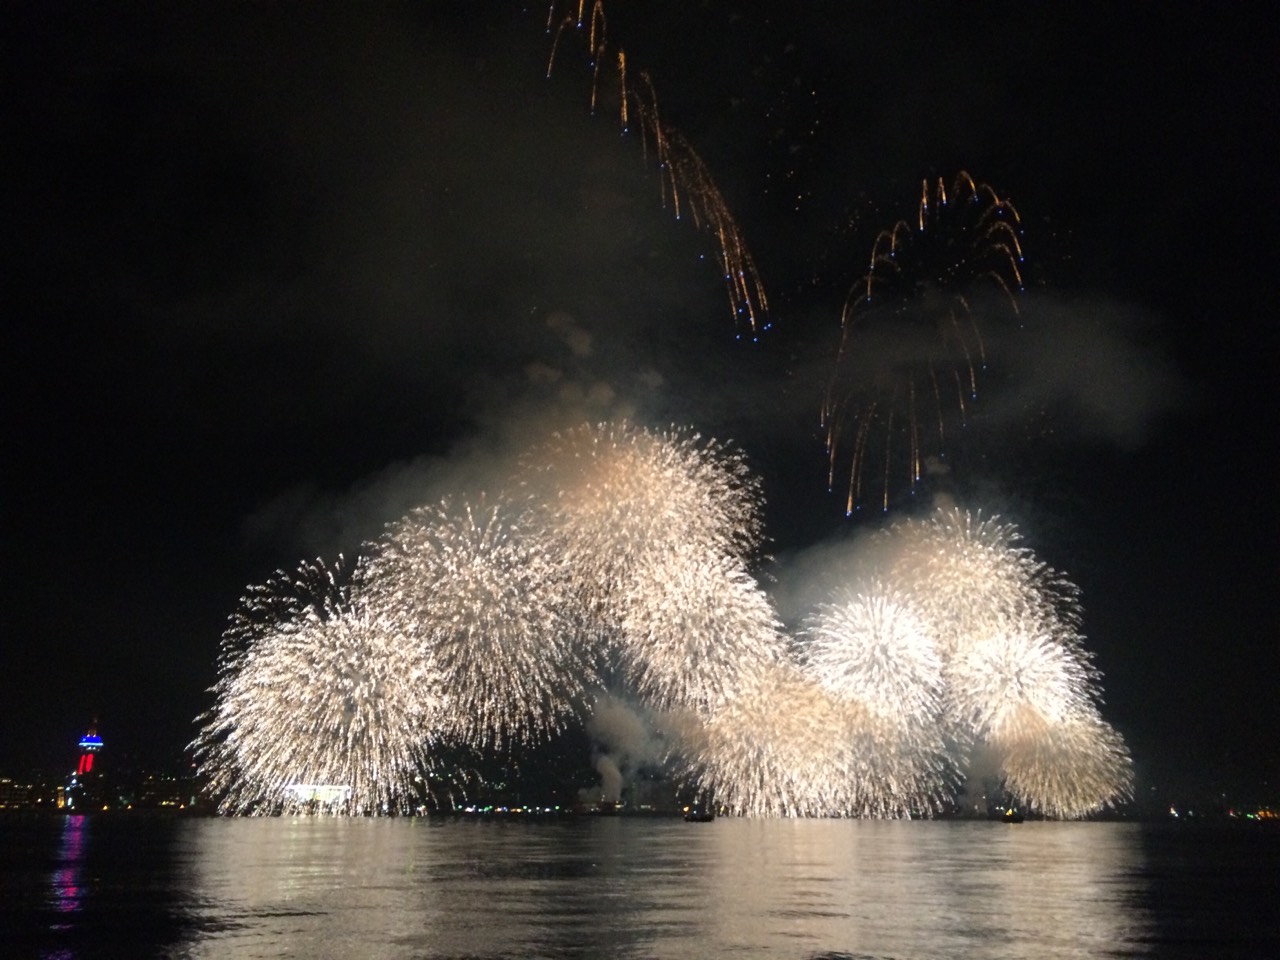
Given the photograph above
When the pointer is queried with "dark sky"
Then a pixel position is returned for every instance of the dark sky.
(276, 274)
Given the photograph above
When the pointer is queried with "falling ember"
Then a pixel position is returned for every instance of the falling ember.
(912, 344)
(683, 176)
(622, 81)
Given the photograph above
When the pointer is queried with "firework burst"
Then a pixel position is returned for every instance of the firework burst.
(912, 343)
(875, 648)
(773, 750)
(484, 602)
(317, 693)
(786, 746)
(873, 651)
(482, 623)
(1017, 679)
(1070, 769)
(964, 572)
(613, 498)
(1011, 683)
(696, 629)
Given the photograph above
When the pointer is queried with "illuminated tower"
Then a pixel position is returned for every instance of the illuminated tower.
(90, 744)
(85, 789)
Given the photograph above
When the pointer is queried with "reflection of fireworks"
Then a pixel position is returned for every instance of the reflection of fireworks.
(685, 180)
(487, 605)
(316, 691)
(911, 342)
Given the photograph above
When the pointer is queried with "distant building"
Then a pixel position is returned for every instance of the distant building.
(14, 796)
(85, 789)
(90, 744)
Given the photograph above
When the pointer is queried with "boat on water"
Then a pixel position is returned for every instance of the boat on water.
(1012, 816)
(699, 814)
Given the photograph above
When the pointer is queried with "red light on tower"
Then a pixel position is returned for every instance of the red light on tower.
(90, 744)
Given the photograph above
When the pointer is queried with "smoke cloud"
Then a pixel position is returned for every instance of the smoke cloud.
(1098, 368)
(624, 745)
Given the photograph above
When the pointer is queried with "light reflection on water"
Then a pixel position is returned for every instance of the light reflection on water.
(65, 886)
(617, 887)
(620, 887)
(931, 889)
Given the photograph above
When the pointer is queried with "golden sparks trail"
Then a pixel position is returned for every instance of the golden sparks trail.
(684, 177)
(912, 343)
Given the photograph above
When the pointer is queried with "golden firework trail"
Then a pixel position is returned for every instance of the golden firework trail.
(684, 181)
(912, 342)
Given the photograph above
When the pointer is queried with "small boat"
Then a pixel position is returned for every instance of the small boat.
(1012, 816)
(699, 814)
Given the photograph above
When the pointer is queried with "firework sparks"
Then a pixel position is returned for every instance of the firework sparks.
(957, 640)
(1070, 769)
(758, 760)
(483, 601)
(1017, 679)
(482, 623)
(788, 747)
(876, 649)
(696, 629)
(1009, 683)
(315, 689)
(613, 497)
(684, 178)
(653, 529)
(965, 571)
(912, 344)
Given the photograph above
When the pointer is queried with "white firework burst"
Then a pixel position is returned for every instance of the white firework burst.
(773, 750)
(483, 623)
(1013, 680)
(1070, 769)
(874, 647)
(964, 571)
(874, 651)
(613, 496)
(316, 691)
(696, 629)
(484, 602)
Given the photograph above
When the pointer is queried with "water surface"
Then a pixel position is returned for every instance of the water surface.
(623, 887)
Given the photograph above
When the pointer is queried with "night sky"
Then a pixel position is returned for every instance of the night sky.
(276, 274)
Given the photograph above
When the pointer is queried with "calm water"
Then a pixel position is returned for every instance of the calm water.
(624, 888)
